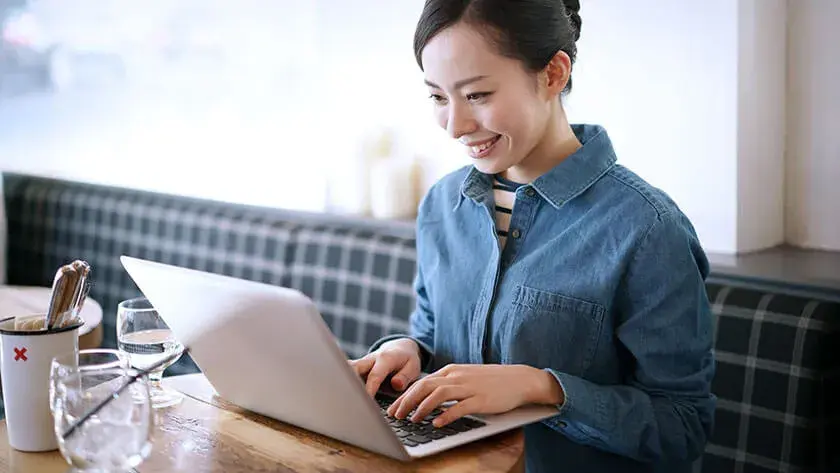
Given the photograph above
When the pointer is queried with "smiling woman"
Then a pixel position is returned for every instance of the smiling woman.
(547, 273)
(487, 93)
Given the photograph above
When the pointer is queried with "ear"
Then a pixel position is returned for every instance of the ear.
(556, 74)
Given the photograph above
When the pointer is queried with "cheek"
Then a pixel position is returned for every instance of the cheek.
(440, 117)
(520, 122)
(508, 121)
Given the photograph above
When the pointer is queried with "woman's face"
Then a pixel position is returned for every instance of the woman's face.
(486, 101)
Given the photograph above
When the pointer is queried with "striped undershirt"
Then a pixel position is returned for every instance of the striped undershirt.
(504, 194)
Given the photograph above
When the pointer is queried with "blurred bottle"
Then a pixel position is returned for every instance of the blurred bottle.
(393, 187)
(349, 183)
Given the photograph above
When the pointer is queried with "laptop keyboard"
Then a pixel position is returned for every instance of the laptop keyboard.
(412, 434)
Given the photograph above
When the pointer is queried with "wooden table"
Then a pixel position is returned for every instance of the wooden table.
(204, 433)
(22, 300)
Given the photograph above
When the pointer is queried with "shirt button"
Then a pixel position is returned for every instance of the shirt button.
(530, 192)
(515, 233)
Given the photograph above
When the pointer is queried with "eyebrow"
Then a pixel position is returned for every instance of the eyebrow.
(459, 84)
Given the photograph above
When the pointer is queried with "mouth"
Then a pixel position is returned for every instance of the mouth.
(483, 149)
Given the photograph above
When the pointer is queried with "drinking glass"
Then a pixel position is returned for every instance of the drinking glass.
(146, 339)
(118, 437)
(85, 360)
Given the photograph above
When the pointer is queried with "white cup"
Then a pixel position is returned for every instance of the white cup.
(25, 358)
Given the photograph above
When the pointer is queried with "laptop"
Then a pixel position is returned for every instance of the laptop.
(268, 350)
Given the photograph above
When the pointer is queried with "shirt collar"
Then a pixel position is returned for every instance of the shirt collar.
(565, 181)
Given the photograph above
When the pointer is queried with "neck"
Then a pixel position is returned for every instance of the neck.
(558, 143)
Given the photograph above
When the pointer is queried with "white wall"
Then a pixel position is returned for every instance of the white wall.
(761, 123)
(661, 76)
(271, 142)
(694, 99)
(249, 141)
(813, 151)
(688, 91)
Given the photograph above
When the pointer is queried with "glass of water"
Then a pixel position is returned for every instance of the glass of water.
(119, 436)
(88, 360)
(146, 339)
(94, 359)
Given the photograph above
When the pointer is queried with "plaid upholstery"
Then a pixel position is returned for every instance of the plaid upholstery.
(776, 382)
(368, 270)
(777, 373)
(360, 280)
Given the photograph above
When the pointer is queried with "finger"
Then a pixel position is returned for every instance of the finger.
(459, 409)
(362, 365)
(409, 372)
(380, 370)
(412, 398)
(394, 407)
(441, 373)
(446, 370)
(435, 377)
(436, 398)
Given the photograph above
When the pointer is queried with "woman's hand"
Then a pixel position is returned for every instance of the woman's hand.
(401, 356)
(478, 389)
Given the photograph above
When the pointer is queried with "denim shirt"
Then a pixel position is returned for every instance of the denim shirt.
(601, 282)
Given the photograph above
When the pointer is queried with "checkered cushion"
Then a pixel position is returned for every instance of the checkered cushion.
(52, 223)
(361, 281)
(366, 270)
(777, 382)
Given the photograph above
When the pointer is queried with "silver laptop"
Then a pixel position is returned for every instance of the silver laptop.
(267, 349)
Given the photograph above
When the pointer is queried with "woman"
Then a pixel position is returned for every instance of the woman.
(547, 273)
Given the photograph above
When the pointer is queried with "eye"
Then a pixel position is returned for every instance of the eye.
(478, 97)
(437, 99)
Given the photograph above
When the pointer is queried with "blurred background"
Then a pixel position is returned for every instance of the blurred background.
(729, 106)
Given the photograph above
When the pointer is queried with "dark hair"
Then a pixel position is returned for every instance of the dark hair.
(532, 31)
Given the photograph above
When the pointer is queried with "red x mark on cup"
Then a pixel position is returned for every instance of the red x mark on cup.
(20, 354)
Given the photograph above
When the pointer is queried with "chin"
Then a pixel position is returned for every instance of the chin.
(490, 166)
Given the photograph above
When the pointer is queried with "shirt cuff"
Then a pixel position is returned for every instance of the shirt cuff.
(579, 402)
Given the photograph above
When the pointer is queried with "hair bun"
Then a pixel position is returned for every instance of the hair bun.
(573, 9)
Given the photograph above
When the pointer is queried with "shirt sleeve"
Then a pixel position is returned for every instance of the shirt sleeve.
(664, 410)
(421, 325)
(422, 319)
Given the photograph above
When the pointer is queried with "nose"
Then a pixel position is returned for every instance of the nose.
(459, 121)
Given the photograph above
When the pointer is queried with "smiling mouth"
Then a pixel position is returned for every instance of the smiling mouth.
(483, 149)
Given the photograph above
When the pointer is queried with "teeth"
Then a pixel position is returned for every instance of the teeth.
(484, 146)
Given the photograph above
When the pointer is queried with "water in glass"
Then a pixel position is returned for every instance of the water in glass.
(146, 340)
(118, 437)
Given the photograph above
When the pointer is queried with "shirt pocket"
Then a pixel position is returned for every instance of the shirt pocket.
(551, 330)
